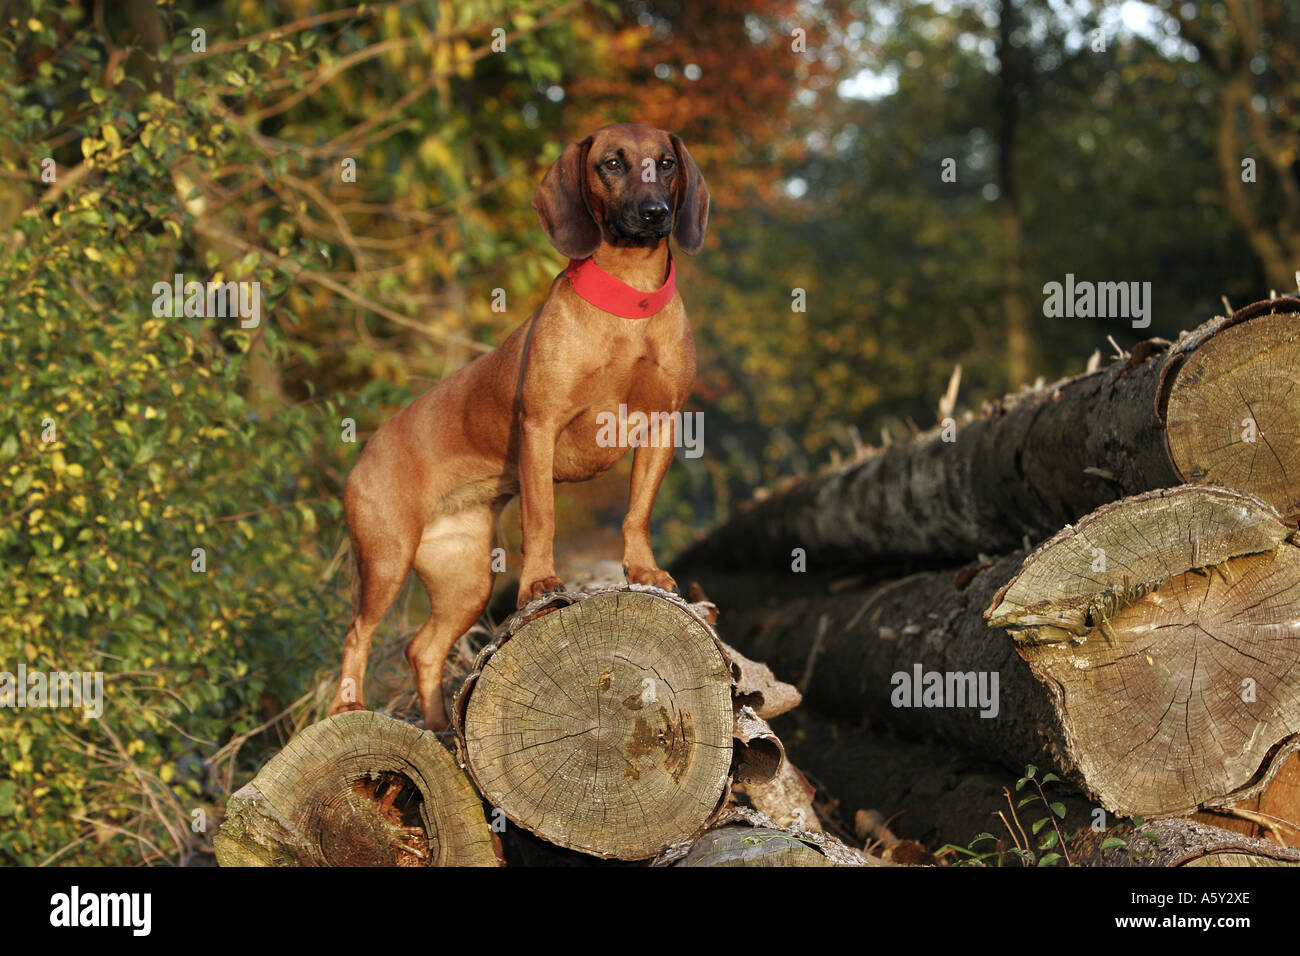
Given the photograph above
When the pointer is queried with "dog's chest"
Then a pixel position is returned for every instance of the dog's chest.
(633, 401)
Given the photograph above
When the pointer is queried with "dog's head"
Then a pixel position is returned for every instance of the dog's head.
(627, 185)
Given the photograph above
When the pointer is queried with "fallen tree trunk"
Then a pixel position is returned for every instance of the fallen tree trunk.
(1161, 683)
(1219, 407)
(605, 722)
(358, 789)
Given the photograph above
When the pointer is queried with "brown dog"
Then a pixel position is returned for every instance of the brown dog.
(430, 484)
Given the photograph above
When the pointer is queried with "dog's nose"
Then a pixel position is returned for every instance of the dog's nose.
(655, 212)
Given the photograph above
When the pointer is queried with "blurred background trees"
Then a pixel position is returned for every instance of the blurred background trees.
(373, 167)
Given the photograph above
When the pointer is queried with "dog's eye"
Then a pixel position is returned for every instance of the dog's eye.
(613, 164)
(667, 163)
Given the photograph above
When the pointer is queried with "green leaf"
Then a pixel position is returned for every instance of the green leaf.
(1113, 843)
(1059, 809)
(1051, 859)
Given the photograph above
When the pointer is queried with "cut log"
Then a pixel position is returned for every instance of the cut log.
(1173, 689)
(603, 722)
(358, 789)
(1166, 627)
(1219, 407)
(1273, 813)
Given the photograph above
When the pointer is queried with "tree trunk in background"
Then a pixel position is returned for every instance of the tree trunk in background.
(1015, 306)
(1272, 233)
(1220, 407)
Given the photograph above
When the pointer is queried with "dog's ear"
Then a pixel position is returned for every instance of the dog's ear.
(561, 204)
(692, 201)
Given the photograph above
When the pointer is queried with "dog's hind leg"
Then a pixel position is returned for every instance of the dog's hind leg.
(382, 565)
(454, 562)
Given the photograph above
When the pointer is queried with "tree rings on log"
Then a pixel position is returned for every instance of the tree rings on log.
(358, 789)
(605, 725)
(1166, 627)
(1233, 406)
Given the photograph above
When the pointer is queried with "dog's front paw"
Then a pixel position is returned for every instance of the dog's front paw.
(539, 588)
(342, 707)
(650, 576)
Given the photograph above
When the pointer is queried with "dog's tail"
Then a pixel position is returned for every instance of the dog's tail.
(347, 553)
(354, 581)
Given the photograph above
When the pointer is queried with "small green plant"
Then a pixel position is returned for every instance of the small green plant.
(1051, 844)
(1117, 840)
(1041, 846)
(1053, 840)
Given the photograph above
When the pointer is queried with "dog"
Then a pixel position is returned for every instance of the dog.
(429, 487)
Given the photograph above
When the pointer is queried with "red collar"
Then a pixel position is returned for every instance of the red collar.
(615, 296)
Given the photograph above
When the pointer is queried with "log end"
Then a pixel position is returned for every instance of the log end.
(603, 726)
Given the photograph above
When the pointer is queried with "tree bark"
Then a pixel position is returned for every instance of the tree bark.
(1220, 407)
(359, 789)
(1189, 843)
(744, 837)
(752, 846)
(1142, 726)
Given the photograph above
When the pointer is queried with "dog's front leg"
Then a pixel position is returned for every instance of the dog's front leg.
(537, 509)
(648, 469)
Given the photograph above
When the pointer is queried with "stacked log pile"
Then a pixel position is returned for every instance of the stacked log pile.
(1134, 634)
(606, 723)
(1134, 631)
